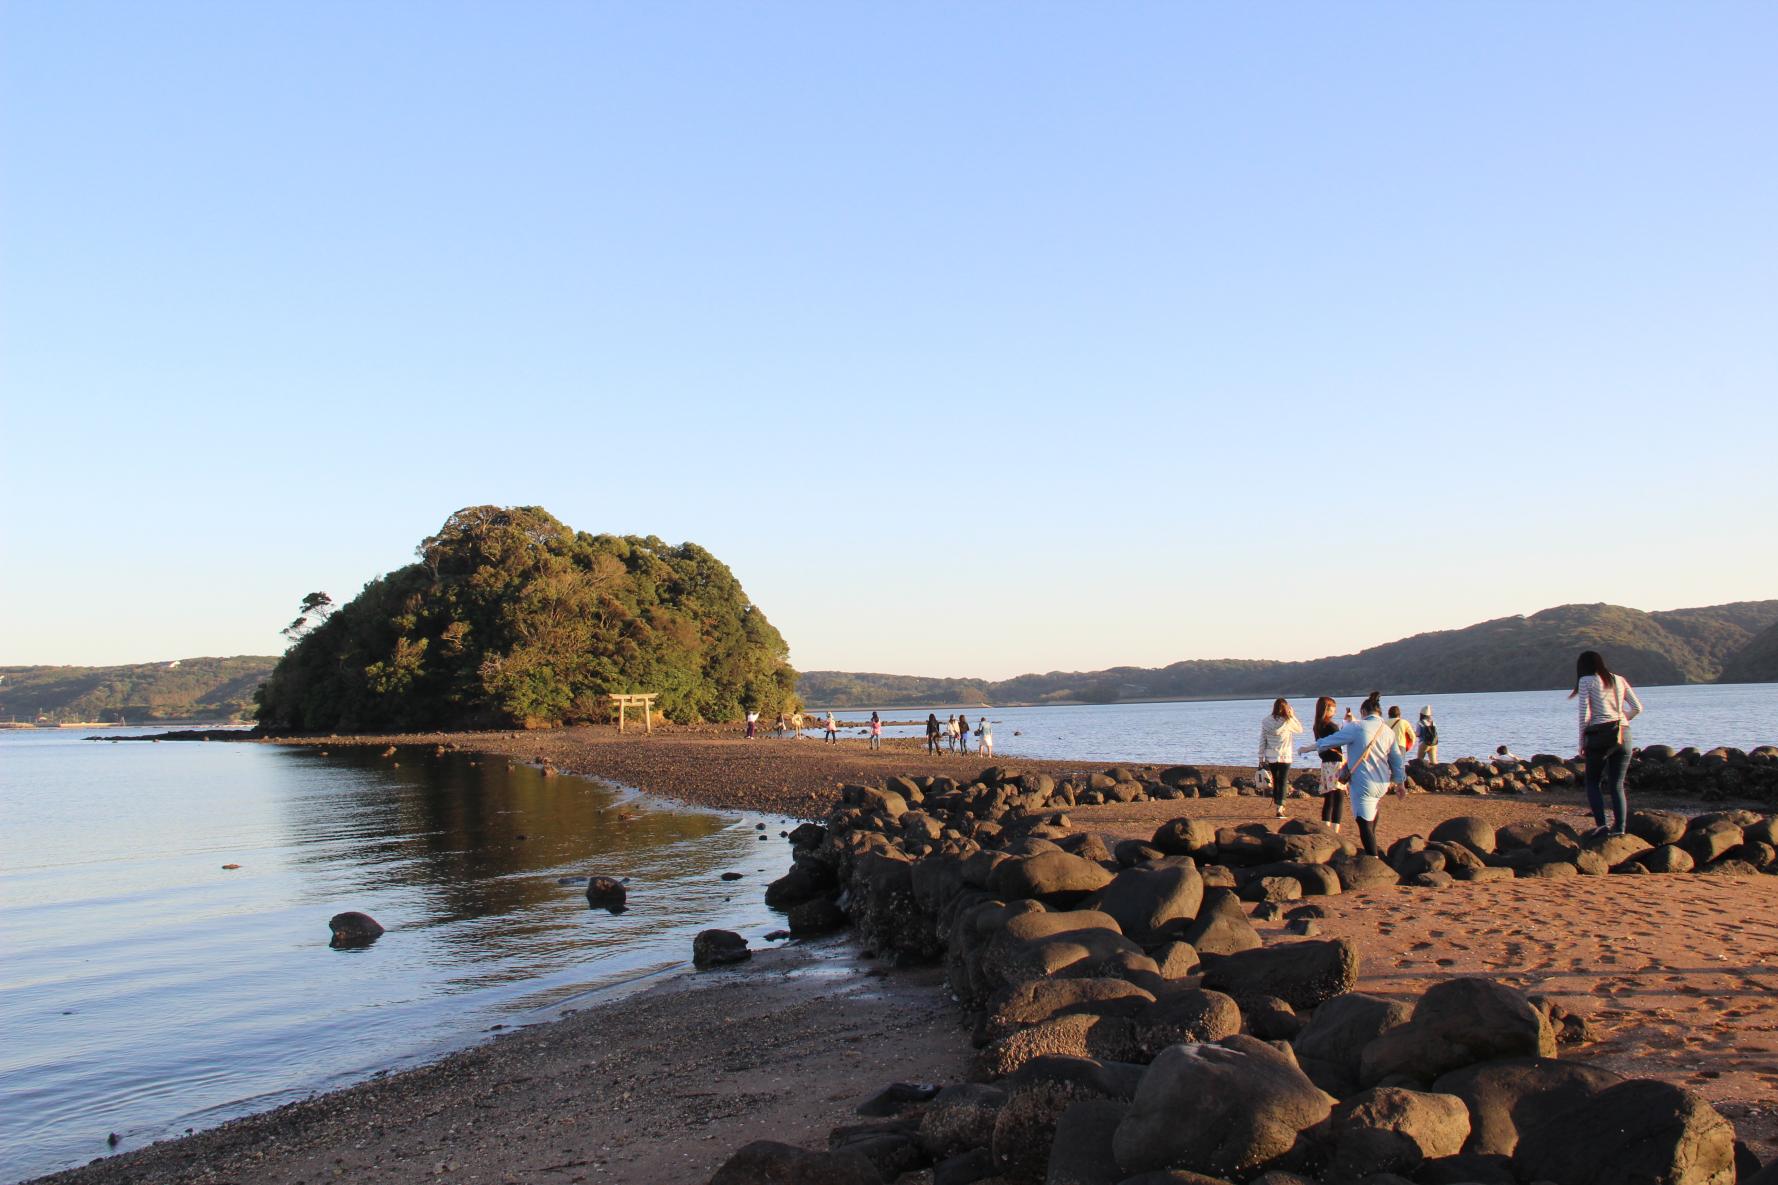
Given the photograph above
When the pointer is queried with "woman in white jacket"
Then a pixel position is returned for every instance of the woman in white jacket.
(1275, 735)
(1607, 705)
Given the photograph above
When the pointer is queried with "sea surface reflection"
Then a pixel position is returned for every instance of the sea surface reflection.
(147, 989)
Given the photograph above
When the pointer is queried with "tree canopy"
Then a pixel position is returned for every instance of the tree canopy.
(511, 618)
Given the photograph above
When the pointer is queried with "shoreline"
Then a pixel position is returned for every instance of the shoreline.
(442, 1119)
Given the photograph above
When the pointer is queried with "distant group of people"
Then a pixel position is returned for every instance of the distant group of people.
(1366, 757)
(953, 734)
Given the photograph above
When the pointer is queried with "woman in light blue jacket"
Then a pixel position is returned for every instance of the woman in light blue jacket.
(1375, 764)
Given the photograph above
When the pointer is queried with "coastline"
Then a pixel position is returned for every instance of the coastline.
(665, 1082)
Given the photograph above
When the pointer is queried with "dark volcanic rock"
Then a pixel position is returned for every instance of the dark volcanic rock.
(1503, 1095)
(767, 1162)
(1636, 1131)
(1221, 927)
(353, 929)
(1302, 974)
(1144, 900)
(714, 948)
(606, 892)
(1229, 1109)
(1455, 1024)
(1390, 1130)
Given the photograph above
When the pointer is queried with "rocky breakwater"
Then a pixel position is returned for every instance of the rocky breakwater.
(1715, 775)
(1134, 1028)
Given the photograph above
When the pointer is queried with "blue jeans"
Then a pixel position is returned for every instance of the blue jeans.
(1608, 761)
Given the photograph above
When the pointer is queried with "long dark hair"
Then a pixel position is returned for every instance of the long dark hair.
(1280, 708)
(1372, 703)
(1590, 662)
(1324, 710)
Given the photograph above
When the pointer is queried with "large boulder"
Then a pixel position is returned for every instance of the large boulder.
(1074, 1034)
(1038, 1000)
(353, 929)
(1636, 1131)
(1362, 872)
(1144, 900)
(1708, 842)
(1616, 849)
(1332, 1044)
(1455, 1024)
(1036, 1096)
(716, 948)
(1668, 857)
(1186, 837)
(1230, 1109)
(767, 1162)
(960, 1118)
(1302, 974)
(1050, 876)
(1473, 833)
(1503, 1095)
(1657, 827)
(1390, 1130)
(1184, 1017)
(1080, 1154)
(1221, 928)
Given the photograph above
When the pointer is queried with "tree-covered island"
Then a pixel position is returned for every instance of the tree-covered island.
(510, 618)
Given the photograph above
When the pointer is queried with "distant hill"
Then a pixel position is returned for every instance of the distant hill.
(1506, 654)
(190, 689)
(1757, 662)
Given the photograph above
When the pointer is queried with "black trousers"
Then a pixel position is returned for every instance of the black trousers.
(1280, 771)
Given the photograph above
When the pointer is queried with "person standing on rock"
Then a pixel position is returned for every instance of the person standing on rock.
(1428, 737)
(1332, 793)
(833, 730)
(1607, 705)
(1375, 765)
(1275, 734)
(932, 727)
(876, 731)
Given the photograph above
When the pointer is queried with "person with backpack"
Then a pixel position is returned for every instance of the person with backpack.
(1428, 737)
(1375, 764)
(1404, 732)
(1607, 705)
(1275, 733)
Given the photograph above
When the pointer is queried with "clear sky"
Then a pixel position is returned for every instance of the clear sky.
(977, 338)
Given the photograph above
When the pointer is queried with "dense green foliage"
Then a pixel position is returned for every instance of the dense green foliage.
(1756, 662)
(190, 689)
(510, 617)
(1508, 654)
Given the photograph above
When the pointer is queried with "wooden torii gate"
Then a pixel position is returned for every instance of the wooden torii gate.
(644, 701)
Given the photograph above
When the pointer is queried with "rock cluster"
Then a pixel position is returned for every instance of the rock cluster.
(1713, 776)
(1134, 1029)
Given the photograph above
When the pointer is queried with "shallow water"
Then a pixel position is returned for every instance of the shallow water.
(1226, 732)
(145, 989)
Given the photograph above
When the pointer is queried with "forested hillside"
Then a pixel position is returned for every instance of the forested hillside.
(510, 617)
(1508, 654)
(188, 689)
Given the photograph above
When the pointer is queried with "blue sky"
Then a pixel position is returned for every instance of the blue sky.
(976, 338)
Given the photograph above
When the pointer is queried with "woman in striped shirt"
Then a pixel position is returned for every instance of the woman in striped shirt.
(1607, 705)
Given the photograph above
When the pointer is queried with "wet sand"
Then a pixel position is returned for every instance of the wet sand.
(1674, 973)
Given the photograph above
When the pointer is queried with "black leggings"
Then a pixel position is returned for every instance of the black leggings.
(1332, 806)
(1280, 771)
(1367, 831)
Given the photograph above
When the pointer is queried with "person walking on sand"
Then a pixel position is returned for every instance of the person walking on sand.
(1428, 737)
(932, 727)
(1332, 793)
(752, 723)
(962, 734)
(833, 729)
(984, 733)
(1607, 705)
(1375, 765)
(876, 731)
(1275, 733)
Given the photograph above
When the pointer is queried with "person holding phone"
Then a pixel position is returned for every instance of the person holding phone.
(1375, 765)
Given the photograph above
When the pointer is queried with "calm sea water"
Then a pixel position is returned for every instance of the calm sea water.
(1226, 732)
(145, 990)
